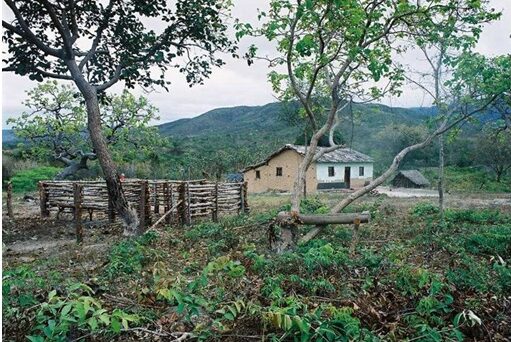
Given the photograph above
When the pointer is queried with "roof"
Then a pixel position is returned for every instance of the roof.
(341, 155)
(414, 176)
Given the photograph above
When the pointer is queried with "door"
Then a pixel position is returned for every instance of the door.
(347, 176)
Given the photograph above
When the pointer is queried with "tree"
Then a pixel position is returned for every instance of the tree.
(56, 126)
(493, 149)
(331, 49)
(453, 29)
(96, 44)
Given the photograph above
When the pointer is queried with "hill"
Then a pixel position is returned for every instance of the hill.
(234, 137)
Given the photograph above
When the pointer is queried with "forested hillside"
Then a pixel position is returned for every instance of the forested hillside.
(226, 140)
(244, 134)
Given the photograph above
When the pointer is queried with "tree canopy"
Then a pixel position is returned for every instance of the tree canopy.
(55, 125)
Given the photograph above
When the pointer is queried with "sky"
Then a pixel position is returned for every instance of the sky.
(236, 83)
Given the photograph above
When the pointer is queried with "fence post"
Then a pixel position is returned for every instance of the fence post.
(142, 206)
(182, 205)
(188, 202)
(245, 197)
(170, 201)
(241, 207)
(111, 210)
(77, 196)
(215, 204)
(156, 200)
(9, 200)
(43, 198)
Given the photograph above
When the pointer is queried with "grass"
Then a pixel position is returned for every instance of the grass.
(26, 180)
(410, 277)
(469, 179)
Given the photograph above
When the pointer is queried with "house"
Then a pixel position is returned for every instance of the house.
(410, 179)
(342, 168)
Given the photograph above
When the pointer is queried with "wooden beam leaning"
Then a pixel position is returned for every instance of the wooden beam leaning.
(77, 198)
(164, 216)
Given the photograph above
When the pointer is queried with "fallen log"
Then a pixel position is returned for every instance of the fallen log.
(289, 220)
(323, 220)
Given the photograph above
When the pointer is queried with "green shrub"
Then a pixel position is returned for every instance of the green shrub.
(495, 240)
(58, 316)
(25, 181)
(214, 235)
(475, 216)
(129, 256)
(422, 209)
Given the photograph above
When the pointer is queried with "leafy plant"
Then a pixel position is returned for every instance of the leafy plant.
(78, 310)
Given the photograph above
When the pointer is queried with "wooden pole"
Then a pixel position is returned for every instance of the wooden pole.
(77, 197)
(9, 200)
(188, 202)
(241, 207)
(215, 204)
(182, 199)
(43, 199)
(142, 206)
(245, 197)
(111, 210)
(170, 200)
(156, 201)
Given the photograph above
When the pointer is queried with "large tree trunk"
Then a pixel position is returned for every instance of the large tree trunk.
(441, 175)
(121, 205)
(72, 167)
(115, 191)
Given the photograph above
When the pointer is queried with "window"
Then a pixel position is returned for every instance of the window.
(279, 171)
(361, 171)
(258, 174)
(331, 171)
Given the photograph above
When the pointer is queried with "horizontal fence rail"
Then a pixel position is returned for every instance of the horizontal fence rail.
(151, 198)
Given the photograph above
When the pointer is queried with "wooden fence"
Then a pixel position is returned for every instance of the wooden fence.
(151, 198)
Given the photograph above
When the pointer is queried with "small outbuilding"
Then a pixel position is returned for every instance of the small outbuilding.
(410, 179)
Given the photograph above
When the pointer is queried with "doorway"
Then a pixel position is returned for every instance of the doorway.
(347, 176)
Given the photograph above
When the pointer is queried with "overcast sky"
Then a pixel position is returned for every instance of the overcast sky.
(237, 84)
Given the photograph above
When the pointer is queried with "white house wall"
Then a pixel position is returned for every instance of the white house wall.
(322, 171)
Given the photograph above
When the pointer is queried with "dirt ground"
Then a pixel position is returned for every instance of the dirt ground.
(28, 237)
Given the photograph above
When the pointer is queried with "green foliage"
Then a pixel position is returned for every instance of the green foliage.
(423, 209)
(219, 239)
(18, 287)
(129, 256)
(476, 216)
(323, 323)
(26, 180)
(77, 310)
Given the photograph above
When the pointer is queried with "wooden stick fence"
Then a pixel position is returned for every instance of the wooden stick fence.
(188, 200)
